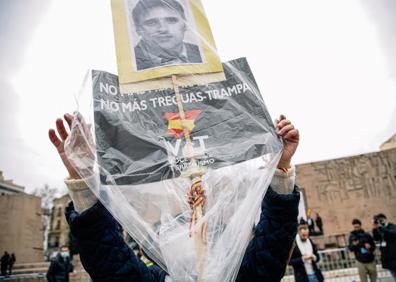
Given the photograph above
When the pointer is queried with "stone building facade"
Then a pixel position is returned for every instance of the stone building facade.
(8, 187)
(352, 187)
(59, 230)
(389, 144)
(58, 234)
(21, 230)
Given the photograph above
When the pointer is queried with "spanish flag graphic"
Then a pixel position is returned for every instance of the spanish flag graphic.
(175, 127)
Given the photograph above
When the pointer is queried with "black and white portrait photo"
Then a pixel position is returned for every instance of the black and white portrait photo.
(156, 39)
(162, 32)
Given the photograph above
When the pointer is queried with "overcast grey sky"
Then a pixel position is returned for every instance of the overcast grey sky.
(329, 65)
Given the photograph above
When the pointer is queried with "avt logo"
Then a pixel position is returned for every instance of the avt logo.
(175, 128)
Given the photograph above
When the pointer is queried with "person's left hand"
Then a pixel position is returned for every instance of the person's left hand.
(313, 257)
(307, 257)
(290, 137)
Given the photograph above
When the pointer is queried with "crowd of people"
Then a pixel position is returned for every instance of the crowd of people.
(305, 258)
(7, 263)
(363, 245)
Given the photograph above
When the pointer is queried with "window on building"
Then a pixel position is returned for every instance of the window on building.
(58, 223)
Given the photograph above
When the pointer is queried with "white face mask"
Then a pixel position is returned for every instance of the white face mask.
(383, 223)
(65, 254)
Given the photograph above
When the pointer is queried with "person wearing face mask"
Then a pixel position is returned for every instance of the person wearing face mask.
(60, 266)
(305, 257)
(384, 232)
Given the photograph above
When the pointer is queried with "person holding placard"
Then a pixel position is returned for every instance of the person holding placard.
(106, 256)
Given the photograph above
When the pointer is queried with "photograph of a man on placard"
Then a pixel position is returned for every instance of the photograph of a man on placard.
(162, 33)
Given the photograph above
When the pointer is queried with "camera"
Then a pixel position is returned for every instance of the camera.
(375, 220)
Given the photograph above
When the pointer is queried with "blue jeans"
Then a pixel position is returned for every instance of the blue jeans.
(312, 278)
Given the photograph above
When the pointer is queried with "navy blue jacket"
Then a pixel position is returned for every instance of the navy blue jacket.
(59, 269)
(388, 252)
(106, 257)
(361, 253)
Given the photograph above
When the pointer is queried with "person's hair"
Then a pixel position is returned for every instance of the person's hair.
(356, 221)
(143, 6)
(380, 215)
(63, 246)
(302, 222)
(302, 226)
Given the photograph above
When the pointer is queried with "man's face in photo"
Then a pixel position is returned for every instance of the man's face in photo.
(163, 27)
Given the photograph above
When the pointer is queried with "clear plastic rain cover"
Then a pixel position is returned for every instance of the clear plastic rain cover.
(184, 166)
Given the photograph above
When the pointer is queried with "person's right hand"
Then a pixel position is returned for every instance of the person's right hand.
(59, 143)
(80, 145)
(290, 137)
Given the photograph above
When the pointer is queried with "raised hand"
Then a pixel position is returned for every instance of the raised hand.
(80, 144)
(59, 143)
(290, 137)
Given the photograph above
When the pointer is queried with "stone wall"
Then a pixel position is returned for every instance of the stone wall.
(353, 187)
(20, 227)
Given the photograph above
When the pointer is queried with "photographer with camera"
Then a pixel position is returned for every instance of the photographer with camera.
(385, 233)
(363, 246)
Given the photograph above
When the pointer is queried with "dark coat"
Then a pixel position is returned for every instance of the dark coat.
(300, 274)
(388, 253)
(144, 61)
(106, 257)
(5, 260)
(12, 259)
(361, 253)
(267, 254)
(311, 226)
(319, 224)
(59, 269)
